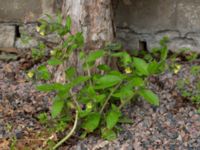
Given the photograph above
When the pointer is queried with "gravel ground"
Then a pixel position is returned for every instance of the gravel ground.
(20, 104)
(174, 125)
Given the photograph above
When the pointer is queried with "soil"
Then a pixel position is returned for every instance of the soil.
(174, 125)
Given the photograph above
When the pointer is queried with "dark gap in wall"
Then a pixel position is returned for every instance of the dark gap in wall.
(143, 45)
(17, 32)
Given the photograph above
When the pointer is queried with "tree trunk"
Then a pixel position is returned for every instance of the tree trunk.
(94, 18)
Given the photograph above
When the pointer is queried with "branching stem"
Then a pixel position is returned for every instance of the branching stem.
(69, 134)
(109, 96)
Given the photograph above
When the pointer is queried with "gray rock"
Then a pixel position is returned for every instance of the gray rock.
(173, 135)
(24, 44)
(28, 29)
(183, 43)
(7, 37)
(81, 146)
(172, 147)
(171, 119)
(54, 38)
(168, 33)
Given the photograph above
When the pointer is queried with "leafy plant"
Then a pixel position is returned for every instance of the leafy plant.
(190, 88)
(13, 143)
(43, 118)
(95, 99)
(155, 58)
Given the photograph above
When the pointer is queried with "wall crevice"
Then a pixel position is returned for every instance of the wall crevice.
(150, 21)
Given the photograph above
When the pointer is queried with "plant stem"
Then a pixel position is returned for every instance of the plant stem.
(74, 99)
(109, 96)
(69, 134)
(89, 74)
(128, 100)
(124, 103)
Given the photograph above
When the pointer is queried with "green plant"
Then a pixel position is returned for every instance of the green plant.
(13, 143)
(43, 118)
(190, 88)
(156, 58)
(9, 127)
(95, 99)
(181, 55)
(39, 52)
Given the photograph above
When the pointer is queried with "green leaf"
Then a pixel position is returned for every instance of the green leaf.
(125, 120)
(162, 65)
(68, 23)
(141, 66)
(125, 57)
(118, 54)
(71, 72)
(80, 79)
(137, 82)
(93, 56)
(100, 98)
(64, 94)
(54, 62)
(57, 107)
(112, 117)
(84, 113)
(45, 87)
(164, 41)
(164, 53)
(91, 92)
(79, 39)
(150, 97)
(51, 87)
(108, 81)
(82, 55)
(43, 73)
(108, 134)
(37, 53)
(153, 67)
(104, 67)
(43, 118)
(124, 93)
(59, 18)
(91, 122)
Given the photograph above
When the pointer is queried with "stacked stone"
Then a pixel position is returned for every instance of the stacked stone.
(19, 17)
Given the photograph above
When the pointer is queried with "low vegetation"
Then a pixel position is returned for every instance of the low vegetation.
(93, 100)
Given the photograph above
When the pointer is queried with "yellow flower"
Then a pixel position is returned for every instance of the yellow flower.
(42, 33)
(38, 29)
(128, 70)
(177, 68)
(89, 106)
(52, 52)
(30, 74)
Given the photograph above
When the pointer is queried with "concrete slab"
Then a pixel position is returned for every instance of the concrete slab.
(7, 36)
(25, 10)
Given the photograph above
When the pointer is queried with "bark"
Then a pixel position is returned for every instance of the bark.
(94, 18)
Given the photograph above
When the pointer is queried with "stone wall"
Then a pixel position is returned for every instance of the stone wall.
(20, 16)
(142, 23)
